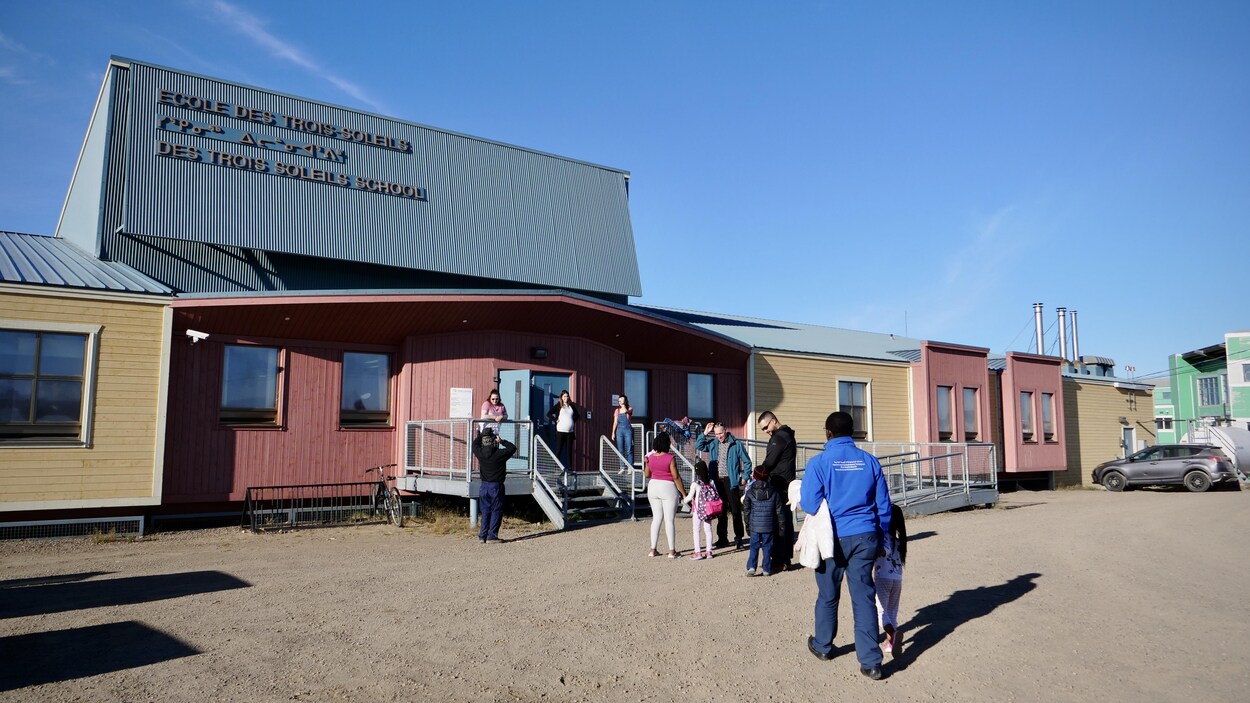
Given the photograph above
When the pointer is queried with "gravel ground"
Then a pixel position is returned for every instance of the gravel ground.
(1060, 596)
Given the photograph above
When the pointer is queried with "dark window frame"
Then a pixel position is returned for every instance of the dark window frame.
(254, 417)
(1028, 430)
(947, 433)
(712, 400)
(36, 432)
(645, 416)
(972, 434)
(860, 414)
(352, 419)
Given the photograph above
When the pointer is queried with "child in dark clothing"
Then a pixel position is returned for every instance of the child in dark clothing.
(763, 511)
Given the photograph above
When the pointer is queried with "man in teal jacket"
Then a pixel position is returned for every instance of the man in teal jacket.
(734, 470)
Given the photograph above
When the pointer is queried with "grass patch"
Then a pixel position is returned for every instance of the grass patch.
(448, 515)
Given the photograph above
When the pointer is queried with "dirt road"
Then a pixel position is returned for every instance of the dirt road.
(1061, 596)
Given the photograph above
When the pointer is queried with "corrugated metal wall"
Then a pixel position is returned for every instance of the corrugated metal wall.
(493, 211)
(196, 267)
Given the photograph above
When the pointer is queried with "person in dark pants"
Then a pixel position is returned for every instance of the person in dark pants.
(779, 465)
(761, 506)
(733, 472)
(492, 461)
(850, 481)
(564, 414)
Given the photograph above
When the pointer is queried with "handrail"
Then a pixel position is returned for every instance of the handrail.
(606, 477)
(563, 497)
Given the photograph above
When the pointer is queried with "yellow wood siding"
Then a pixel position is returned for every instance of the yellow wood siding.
(802, 391)
(1091, 413)
(119, 465)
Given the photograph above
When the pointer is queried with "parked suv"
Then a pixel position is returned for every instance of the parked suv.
(1195, 465)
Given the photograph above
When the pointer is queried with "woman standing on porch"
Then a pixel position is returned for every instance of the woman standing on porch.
(622, 431)
(564, 414)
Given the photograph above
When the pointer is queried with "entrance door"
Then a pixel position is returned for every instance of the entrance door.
(544, 393)
(514, 392)
(1129, 441)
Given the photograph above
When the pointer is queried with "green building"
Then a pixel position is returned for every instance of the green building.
(1209, 386)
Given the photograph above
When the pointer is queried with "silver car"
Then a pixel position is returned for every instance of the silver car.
(1197, 466)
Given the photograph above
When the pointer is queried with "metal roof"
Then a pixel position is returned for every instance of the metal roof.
(222, 164)
(798, 337)
(51, 261)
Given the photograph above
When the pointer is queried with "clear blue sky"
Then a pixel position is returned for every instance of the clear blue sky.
(875, 166)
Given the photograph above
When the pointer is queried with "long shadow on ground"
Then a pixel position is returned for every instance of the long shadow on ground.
(933, 623)
(62, 655)
(48, 580)
(59, 596)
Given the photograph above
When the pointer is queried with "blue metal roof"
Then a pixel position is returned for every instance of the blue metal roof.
(51, 261)
(221, 164)
(797, 337)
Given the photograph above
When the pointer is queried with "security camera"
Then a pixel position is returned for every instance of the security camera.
(196, 336)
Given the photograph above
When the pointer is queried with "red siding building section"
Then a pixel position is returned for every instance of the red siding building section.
(1026, 445)
(957, 368)
(436, 343)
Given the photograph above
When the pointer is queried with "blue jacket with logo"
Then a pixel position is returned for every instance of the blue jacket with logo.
(851, 480)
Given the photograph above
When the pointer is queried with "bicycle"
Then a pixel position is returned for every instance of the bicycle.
(387, 501)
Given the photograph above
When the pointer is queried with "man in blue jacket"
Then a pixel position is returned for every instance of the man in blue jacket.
(852, 483)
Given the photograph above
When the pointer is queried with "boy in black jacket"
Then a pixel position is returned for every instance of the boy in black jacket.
(764, 510)
(492, 460)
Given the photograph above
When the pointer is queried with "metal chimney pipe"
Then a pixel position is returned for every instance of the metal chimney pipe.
(1076, 342)
(1037, 322)
(1063, 333)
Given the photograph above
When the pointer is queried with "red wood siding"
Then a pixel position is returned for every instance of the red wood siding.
(958, 368)
(208, 462)
(1038, 374)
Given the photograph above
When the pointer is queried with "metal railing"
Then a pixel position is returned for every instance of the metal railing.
(286, 507)
(550, 476)
(626, 479)
(914, 471)
(444, 448)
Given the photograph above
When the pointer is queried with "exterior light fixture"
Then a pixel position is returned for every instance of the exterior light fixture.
(538, 352)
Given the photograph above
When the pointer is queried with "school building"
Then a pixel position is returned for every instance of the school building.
(264, 290)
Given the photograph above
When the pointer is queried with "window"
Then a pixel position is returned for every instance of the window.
(972, 416)
(946, 424)
(1165, 396)
(1163, 423)
(366, 397)
(700, 403)
(44, 386)
(853, 400)
(1026, 415)
(1245, 373)
(1048, 417)
(249, 386)
(636, 386)
(1209, 390)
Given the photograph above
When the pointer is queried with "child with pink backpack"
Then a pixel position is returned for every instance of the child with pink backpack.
(705, 506)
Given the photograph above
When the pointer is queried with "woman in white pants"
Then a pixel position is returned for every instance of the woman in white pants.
(664, 492)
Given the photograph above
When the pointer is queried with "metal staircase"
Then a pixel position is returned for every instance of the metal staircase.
(439, 459)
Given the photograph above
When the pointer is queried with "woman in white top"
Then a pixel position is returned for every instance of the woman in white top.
(564, 414)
